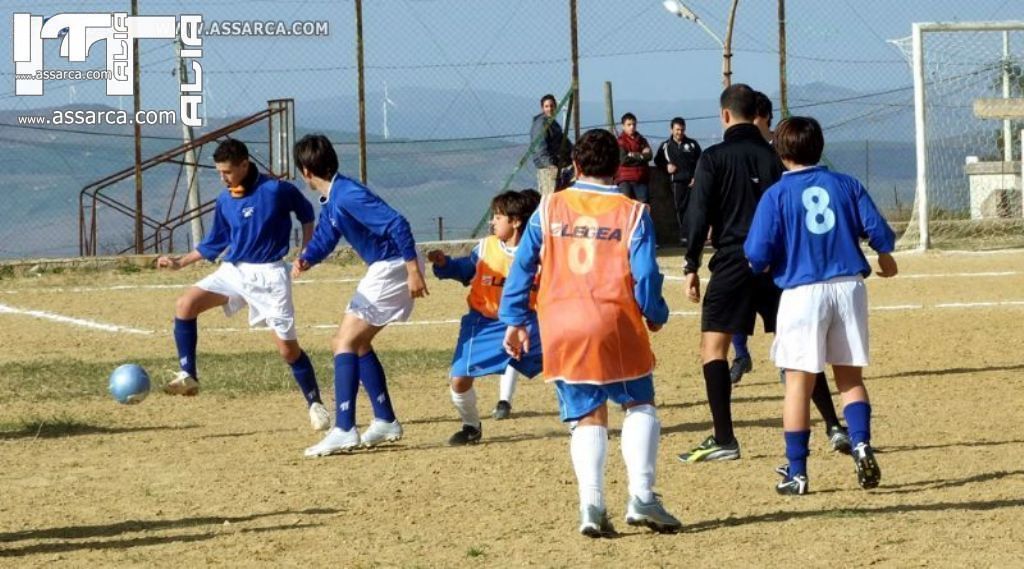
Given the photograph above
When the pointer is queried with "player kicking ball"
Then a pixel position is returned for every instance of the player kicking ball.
(807, 231)
(480, 350)
(599, 294)
(382, 239)
(252, 222)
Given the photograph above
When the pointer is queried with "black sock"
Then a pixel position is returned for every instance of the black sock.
(719, 387)
(822, 398)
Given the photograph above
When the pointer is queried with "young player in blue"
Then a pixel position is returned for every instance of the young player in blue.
(252, 221)
(807, 231)
(480, 349)
(383, 240)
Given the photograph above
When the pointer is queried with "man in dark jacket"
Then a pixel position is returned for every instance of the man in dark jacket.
(550, 154)
(634, 154)
(677, 157)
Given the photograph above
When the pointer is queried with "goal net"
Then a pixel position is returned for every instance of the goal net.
(968, 88)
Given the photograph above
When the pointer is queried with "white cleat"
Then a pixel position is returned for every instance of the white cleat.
(337, 441)
(381, 432)
(182, 384)
(319, 418)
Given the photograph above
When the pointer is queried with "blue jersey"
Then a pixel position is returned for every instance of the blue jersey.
(808, 228)
(374, 230)
(643, 264)
(256, 227)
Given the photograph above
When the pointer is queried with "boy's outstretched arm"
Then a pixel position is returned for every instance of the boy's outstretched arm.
(461, 269)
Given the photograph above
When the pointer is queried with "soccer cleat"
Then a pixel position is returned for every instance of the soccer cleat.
(182, 384)
(502, 410)
(652, 515)
(469, 435)
(839, 438)
(594, 522)
(795, 486)
(710, 450)
(319, 418)
(868, 472)
(337, 441)
(740, 366)
(381, 432)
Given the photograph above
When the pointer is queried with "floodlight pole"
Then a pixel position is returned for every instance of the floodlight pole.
(783, 81)
(727, 47)
(575, 71)
(361, 87)
(136, 80)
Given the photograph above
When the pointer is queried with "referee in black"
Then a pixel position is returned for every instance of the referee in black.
(729, 181)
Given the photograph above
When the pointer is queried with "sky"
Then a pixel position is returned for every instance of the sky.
(512, 47)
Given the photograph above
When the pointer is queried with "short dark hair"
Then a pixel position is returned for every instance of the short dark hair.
(314, 152)
(597, 154)
(627, 117)
(763, 106)
(800, 140)
(678, 121)
(533, 196)
(740, 100)
(548, 96)
(516, 205)
(231, 150)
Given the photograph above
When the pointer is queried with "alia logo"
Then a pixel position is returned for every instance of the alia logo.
(247, 211)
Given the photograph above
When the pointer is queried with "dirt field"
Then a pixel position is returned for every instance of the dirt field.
(220, 479)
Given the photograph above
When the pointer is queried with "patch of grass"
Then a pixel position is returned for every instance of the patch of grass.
(476, 551)
(6, 272)
(244, 373)
(48, 428)
(128, 268)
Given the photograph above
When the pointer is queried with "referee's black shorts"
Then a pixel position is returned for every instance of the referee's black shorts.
(735, 295)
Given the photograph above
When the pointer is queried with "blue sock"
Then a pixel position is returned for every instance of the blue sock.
(858, 422)
(346, 385)
(305, 376)
(739, 345)
(371, 373)
(186, 336)
(797, 450)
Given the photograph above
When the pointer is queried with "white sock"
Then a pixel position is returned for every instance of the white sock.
(640, 432)
(588, 447)
(465, 404)
(507, 387)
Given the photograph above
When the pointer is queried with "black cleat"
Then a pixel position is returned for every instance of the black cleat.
(469, 435)
(502, 411)
(868, 472)
(740, 366)
(839, 438)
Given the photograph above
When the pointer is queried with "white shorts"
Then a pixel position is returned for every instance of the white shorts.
(822, 323)
(382, 296)
(265, 287)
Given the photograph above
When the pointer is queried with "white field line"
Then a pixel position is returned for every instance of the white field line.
(150, 286)
(903, 276)
(81, 322)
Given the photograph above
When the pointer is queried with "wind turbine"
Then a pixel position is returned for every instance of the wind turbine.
(384, 110)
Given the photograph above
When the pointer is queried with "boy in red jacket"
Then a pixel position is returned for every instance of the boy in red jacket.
(634, 154)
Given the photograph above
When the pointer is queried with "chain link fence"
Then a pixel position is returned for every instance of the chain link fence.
(451, 88)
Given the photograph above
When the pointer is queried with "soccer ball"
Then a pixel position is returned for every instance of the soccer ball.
(129, 384)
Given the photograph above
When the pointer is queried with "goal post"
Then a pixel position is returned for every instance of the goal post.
(962, 88)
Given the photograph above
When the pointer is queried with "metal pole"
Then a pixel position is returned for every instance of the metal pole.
(727, 47)
(1007, 132)
(362, 90)
(783, 82)
(440, 228)
(920, 139)
(609, 111)
(136, 97)
(190, 159)
(575, 71)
